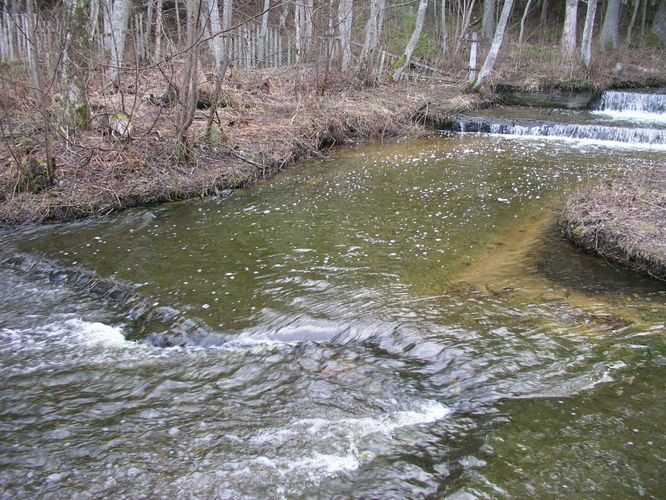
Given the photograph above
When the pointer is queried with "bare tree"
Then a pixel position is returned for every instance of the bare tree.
(522, 21)
(569, 30)
(610, 36)
(489, 62)
(188, 93)
(586, 43)
(403, 62)
(345, 13)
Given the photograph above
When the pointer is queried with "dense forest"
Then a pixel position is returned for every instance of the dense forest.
(82, 78)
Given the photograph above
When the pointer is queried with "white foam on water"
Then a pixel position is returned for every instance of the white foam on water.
(97, 334)
(580, 142)
(325, 464)
(357, 428)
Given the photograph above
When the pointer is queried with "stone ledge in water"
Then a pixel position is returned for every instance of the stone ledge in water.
(623, 221)
(567, 95)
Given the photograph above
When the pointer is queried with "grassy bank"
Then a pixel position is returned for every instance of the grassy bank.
(623, 220)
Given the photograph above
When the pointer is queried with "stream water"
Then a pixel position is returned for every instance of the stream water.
(403, 321)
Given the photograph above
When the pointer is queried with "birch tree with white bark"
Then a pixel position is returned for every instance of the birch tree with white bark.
(117, 12)
(489, 62)
(372, 30)
(216, 42)
(588, 30)
(404, 61)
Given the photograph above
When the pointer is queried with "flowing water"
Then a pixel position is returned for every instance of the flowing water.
(403, 321)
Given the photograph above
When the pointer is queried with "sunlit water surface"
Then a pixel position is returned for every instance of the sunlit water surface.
(402, 321)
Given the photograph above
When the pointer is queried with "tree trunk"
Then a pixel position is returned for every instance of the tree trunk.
(264, 32)
(158, 32)
(217, 42)
(495, 47)
(119, 19)
(403, 62)
(284, 15)
(488, 19)
(76, 111)
(227, 14)
(610, 37)
(370, 43)
(444, 31)
(523, 19)
(309, 30)
(586, 43)
(188, 86)
(569, 30)
(345, 13)
(298, 28)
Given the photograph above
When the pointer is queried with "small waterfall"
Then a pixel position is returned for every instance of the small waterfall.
(614, 100)
(592, 132)
(627, 135)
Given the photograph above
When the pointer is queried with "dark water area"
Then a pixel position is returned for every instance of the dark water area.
(403, 321)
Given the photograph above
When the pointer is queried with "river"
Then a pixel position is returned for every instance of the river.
(402, 321)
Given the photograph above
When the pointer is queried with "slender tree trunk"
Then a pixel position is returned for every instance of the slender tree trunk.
(119, 20)
(409, 49)
(489, 63)
(632, 23)
(158, 32)
(569, 30)
(588, 31)
(544, 12)
(212, 19)
(180, 32)
(309, 28)
(523, 19)
(370, 43)
(298, 28)
(443, 31)
(488, 19)
(264, 32)
(188, 86)
(610, 37)
(227, 14)
(284, 15)
(345, 13)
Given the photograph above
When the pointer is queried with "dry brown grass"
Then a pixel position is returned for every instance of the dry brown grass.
(624, 220)
(265, 127)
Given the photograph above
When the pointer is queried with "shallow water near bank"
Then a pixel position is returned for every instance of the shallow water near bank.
(401, 321)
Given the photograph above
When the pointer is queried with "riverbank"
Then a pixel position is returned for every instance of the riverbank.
(266, 122)
(623, 220)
